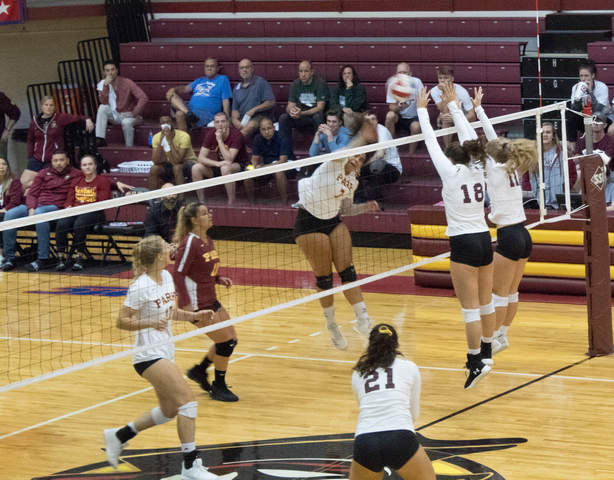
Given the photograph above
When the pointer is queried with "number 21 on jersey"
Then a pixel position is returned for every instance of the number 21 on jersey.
(373, 381)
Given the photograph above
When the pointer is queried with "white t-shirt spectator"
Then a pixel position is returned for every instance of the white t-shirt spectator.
(391, 154)
(462, 96)
(411, 110)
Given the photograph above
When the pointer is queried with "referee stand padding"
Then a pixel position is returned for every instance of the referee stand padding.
(556, 265)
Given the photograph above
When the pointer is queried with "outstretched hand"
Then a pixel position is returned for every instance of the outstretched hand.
(423, 98)
(448, 94)
(477, 100)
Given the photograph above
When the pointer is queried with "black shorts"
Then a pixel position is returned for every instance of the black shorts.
(473, 249)
(217, 171)
(514, 242)
(405, 123)
(169, 174)
(307, 223)
(142, 366)
(36, 165)
(392, 449)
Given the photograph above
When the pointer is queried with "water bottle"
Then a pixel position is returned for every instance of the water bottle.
(150, 138)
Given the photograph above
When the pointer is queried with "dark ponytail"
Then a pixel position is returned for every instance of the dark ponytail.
(382, 350)
(470, 150)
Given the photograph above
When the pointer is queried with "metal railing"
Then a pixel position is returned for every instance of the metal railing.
(98, 50)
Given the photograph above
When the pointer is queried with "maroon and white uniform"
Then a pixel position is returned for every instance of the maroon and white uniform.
(196, 273)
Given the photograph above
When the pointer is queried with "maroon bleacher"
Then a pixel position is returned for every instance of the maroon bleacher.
(348, 28)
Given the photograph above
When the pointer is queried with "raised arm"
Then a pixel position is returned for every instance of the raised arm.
(464, 129)
(441, 162)
(489, 131)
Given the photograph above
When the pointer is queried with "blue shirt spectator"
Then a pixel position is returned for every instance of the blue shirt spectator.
(272, 149)
(330, 136)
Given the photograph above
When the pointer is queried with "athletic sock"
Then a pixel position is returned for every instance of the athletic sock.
(360, 310)
(486, 349)
(329, 313)
(503, 330)
(474, 355)
(204, 365)
(126, 433)
(220, 377)
(487, 339)
(190, 454)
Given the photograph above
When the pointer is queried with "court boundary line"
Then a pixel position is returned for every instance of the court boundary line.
(92, 407)
(507, 392)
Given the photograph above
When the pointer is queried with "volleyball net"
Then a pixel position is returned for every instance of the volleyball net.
(54, 322)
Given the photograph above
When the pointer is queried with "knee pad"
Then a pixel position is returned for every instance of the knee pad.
(513, 298)
(325, 282)
(471, 315)
(159, 417)
(225, 349)
(348, 275)
(188, 410)
(487, 309)
(500, 301)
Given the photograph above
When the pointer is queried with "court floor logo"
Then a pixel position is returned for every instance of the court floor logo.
(320, 457)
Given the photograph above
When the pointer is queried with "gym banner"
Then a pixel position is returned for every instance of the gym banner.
(12, 11)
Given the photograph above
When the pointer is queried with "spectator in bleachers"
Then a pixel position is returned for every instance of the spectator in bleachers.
(46, 135)
(10, 110)
(180, 156)
(601, 143)
(445, 75)
(252, 100)
(331, 136)
(47, 194)
(306, 102)
(210, 94)
(597, 92)
(161, 217)
(229, 146)
(11, 195)
(552, 168)
(404, 114)
(381, 167)
(86, 189)
(121, 103)
(349, 95)
(272, 148)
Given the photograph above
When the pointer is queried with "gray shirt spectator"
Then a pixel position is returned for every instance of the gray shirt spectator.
(253, 100)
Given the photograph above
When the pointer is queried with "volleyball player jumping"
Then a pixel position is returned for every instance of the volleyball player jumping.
(507, 161)
(388, 390)
(148, 311)
(324, 238)
(461, 169)
(196, 275)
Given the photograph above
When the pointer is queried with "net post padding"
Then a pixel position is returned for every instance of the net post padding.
(597, 256)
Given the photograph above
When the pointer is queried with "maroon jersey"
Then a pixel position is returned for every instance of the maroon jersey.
(196, 272)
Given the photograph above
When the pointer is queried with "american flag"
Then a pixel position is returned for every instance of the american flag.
(12, 11)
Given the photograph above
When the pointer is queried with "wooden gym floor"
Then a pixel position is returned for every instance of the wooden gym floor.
(545, 412)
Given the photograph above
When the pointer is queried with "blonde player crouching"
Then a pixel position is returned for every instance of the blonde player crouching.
(148, 311)
(461, 169)
(388, 391)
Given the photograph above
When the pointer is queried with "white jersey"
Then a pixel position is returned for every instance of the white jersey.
(389, 399)
(322, 193)
(505, 191)
(463, 186)
(152, 301)
(391, 154)
(462, 96)
(410, 111)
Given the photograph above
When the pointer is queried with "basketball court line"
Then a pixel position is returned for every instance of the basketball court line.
(511, 390)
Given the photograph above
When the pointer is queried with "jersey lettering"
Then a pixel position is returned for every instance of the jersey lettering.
(164, 299)
(212, 255)
(478, 192)
(216, 267)
(372, 386)
(514, 180)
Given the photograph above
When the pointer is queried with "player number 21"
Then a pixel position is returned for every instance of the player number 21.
(372, 386)
(478, 192)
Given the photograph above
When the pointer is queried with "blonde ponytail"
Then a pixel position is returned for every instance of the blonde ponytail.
(519, 155)
(185, 221)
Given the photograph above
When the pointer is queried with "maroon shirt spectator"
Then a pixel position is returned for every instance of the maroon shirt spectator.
(130, 98)
(51, 187)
